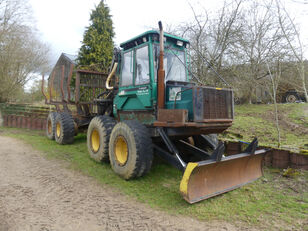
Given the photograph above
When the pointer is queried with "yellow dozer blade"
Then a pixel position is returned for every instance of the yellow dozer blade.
(205, 179)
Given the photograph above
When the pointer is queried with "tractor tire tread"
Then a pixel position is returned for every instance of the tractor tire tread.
(104, 124)
(67, 128)
(144, 150)
(52, 118)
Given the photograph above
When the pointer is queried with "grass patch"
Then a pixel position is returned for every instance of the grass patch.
(298, 113)
(258, 121)
(272, 202)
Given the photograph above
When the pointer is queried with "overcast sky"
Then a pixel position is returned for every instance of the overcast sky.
(62, 22)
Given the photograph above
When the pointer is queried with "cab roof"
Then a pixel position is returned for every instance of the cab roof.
(144, 37)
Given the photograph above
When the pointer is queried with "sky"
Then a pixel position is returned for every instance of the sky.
(61, 23)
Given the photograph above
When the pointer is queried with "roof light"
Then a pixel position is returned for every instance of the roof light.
(144, 39)
(179, 43)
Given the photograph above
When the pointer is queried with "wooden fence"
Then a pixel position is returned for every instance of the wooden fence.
(24, 116)
(276, 158)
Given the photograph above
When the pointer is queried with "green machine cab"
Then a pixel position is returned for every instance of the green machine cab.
(138, 76)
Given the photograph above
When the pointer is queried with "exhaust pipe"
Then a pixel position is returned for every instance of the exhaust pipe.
(161, 71)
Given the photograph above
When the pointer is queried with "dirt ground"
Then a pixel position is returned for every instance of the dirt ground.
(41, 194)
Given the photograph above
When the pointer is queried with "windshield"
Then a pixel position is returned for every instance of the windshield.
(174, 61)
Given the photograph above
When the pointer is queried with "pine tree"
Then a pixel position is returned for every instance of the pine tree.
(97, 45)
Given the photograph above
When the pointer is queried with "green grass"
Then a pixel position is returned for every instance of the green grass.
(298, 113)
(272, 202)
(258, 121)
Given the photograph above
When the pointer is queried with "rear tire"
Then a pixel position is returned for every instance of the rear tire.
(51, 125)
(130, 149)
(292, 97)
(65, 129)
(98, 136)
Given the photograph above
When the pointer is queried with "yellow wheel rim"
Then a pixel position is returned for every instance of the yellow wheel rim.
(49, 127)
(58, 130)
(95, 143)
(121, 150)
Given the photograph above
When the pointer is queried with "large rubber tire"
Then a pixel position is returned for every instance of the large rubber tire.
(292, 97)
(65, 130)
(51, 125)
(98, 136)
(130, 149)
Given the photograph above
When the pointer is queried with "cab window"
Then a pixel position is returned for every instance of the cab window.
(127, 69)
(174, 64)
(142, 66)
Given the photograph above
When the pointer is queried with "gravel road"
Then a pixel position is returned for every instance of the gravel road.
(42, 194)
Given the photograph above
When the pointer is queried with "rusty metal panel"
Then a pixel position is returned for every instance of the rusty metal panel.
(44, 124)
(9, 120)
(69, 86)
(210, 178)
(77, 89)
(19, 121)
(212, 104)
(24, 122)
(14, 121)
(5, 120)
(172, 115)
(69, 83)
(62, 82)
(145, 117)
(29, 122)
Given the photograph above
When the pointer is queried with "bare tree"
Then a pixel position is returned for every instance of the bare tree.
(239, 40)
(21, 51)
(274, 79)
(294, 42)
(261, 42)
(211, 36)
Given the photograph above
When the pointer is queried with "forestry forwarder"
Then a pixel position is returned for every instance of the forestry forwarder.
(155, 109)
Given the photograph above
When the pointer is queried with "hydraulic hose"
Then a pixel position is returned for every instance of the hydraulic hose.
(110, 76)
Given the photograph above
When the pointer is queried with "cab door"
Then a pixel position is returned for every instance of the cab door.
(135, 88)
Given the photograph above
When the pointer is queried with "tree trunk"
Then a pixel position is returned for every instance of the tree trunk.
(302, 75)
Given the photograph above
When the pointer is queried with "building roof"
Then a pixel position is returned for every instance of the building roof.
(72, 58)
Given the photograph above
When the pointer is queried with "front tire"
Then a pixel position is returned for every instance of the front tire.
(98, 136)
(65, 129)
(130, 149)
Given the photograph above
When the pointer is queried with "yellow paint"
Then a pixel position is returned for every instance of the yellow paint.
(95, 140)
(58, 130)
(218, 88)
(121, 150)
(184, 182)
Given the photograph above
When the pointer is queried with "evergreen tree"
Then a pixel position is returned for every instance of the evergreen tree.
(97, 45)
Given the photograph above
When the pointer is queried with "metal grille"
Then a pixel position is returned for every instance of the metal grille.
(217, 104)
(211, 104)
(91, 85)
